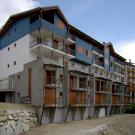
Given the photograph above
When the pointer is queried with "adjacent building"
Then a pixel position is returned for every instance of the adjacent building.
(64, 73)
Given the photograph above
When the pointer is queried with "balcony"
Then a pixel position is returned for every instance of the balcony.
(118, 73)
(48, 47)
(98, 64)
(70, 39)
(52, 82)
(80, 88)
(50, 97)
(118, 62)
(48, 26)
(98, 51)
(74, 66)
(117, 100)
(102, 100)
(77, 99)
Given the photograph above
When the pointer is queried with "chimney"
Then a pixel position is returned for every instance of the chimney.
(129, 60)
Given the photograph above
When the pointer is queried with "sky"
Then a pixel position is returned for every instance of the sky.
(104, 20)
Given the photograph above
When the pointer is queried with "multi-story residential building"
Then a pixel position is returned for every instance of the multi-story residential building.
(55, 67)
(130, 79)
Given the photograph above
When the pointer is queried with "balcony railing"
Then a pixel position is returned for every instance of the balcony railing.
(71, 37)
(69, 51)
(49, 43)
(98, 50)
(48, 26)
(118, 61)
(122, 72)
(99, 63)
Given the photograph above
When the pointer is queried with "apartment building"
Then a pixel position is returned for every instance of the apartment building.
(130, 79)
(66, 74)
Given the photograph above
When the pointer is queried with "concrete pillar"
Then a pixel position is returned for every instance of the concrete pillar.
(58, 115)
(96, 112)
(65, 97)
(57, 86)
(91, 112)
(69, 116)
(102, 112)
(86, 113)
(108, 111)
(78, 115)
(121, 109)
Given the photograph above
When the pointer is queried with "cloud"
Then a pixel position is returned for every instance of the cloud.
(127, 50)
(11, 7)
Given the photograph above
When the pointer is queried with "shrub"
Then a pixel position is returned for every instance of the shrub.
(131, 109)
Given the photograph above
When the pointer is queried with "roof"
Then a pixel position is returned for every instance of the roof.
(14, 17)
(116, 55)
(38, 10)
(88, 38)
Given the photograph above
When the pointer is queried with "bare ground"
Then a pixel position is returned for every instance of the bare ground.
(114, 125)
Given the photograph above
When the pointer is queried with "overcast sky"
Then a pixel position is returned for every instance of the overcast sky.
(104, 20)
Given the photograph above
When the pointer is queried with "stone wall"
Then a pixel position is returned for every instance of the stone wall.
(15, 122)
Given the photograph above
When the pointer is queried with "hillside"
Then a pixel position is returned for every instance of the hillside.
(114, 125)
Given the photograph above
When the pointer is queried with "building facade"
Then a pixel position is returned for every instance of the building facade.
(64, 73)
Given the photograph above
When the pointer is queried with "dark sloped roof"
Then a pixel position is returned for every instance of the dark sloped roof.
(116, 55)
(38, 10)
(85, 36)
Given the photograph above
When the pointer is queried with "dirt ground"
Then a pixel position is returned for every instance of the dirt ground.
(114, 125)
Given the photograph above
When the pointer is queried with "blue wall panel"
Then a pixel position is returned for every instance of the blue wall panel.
(57, 20)
(22, 28)
(83, 58)
(83, 44)
(53, 28)
(35, 25)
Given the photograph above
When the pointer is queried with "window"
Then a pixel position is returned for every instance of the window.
(8, 48)
(55, 44)
(87, 53)
(61, 93)
(18, 94)
(81, 50)
(7, 65)
(50, 76)
(82, 82)
(61, 78)
(14, 45)
(14, 62)
(73, 82)
(18, 77)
